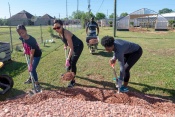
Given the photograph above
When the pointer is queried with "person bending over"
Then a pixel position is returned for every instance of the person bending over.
(127, 53)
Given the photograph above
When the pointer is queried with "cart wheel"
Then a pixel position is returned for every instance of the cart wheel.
(5, 79)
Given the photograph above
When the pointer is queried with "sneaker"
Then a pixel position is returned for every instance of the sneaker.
(28, 81)
(37, 87)
(72, 83)
(124, 89)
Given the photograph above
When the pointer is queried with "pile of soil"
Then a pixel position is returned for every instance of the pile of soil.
(82, 101)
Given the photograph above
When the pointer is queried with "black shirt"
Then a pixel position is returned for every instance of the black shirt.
(33, 45)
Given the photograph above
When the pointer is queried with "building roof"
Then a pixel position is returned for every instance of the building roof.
(142, 13)
(169, 14)
(46, 16)
(22, 15)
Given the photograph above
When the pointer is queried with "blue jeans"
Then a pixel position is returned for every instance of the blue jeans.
(34, 66)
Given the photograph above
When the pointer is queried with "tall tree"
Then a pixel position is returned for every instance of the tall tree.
(100, 16)
(111, 16)
(165, 10)
(77, 15)
(123, 14)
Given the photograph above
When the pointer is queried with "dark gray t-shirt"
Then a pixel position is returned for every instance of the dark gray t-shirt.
(92, 26)
(122, 47)
(33, 45)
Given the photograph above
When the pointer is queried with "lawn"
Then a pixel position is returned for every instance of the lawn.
(153, 74)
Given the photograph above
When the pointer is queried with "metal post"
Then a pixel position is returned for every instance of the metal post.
(10, 31)
(114, 22)
(41, 34)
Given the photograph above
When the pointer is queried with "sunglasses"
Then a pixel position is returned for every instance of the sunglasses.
(56, 28)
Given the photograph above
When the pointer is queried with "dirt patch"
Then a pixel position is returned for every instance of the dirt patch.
(81, 101)
(144, 30)
(137, 29)
(163, 52)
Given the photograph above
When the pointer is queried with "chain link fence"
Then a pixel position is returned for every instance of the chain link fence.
(8, 34)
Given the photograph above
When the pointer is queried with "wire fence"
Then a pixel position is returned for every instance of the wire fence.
(8, 34)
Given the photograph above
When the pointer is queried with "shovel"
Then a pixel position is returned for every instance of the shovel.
(115, 76)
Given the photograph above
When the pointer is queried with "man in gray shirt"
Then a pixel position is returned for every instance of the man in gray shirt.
(127, 54)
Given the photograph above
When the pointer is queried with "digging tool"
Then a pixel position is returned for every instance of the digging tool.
(116, 77)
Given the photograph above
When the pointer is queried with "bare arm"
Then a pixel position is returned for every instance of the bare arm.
(32, 51)
(68, 36)
(97, 30)
(86, 30)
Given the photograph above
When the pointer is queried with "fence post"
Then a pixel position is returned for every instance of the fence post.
(41, 34)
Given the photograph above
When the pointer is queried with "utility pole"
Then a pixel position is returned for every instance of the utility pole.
(66, 14)
(77, 5)
(10, 30)
(66, 9)
(77, 13)
(114, 22)
(107, 13)
(89, 7)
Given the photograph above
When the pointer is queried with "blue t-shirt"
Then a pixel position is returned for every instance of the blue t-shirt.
(122, 47)
(33, 45)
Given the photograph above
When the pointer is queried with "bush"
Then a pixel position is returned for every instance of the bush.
(110, 23)
(171, 22)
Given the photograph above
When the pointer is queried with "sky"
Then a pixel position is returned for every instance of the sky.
(58, 8)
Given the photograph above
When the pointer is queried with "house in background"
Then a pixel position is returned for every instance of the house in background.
(44, 20)
(169, 16)
(22, 17)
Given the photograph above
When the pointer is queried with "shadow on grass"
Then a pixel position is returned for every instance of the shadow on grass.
(104, 54)
(11, 94)
(13, 68)
(149, 88)
(47, 86)
(104, 84)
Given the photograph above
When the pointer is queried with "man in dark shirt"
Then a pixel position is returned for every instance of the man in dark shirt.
(92, 26)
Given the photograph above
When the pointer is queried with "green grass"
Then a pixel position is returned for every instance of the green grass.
(153, 74)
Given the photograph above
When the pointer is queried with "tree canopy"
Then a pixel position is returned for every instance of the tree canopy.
(111, 16)
(100, 16)
(165, 10)
(123, 14)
